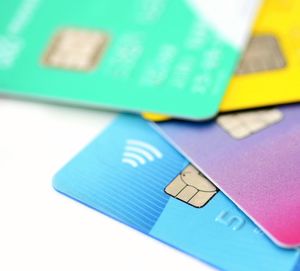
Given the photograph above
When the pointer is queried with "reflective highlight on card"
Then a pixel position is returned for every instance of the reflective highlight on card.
(125, 56)
(163, 196)
(254, 158)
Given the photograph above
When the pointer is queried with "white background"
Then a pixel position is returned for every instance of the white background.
(42, 230)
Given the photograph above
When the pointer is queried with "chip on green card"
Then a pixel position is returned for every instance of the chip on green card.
(160, 56)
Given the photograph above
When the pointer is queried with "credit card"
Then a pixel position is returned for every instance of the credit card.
(269, 70)
(136, 55)
(134, 176)
(253, 157)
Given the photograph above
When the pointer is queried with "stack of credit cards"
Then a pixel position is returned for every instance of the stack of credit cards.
(212, 165)
(136, 177)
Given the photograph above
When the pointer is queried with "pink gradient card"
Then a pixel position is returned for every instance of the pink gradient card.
(254, 157)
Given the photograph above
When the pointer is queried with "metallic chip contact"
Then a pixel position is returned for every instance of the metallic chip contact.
(75, 49)
(191, 187)
(242, 125)
(262, 54)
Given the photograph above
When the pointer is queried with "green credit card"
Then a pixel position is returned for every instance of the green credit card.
(172, 57)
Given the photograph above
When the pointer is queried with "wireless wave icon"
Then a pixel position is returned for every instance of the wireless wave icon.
(138, 153)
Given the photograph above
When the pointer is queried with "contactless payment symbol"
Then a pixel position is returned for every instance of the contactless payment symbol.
(137, 153)
(191, 187)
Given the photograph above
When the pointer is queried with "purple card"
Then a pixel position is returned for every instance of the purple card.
(254, 157)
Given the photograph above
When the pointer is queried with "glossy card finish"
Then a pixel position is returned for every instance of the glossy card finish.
(128, 55)
(254, 158)
(134, 176)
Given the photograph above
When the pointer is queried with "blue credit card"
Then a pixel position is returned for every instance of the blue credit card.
(133, 175)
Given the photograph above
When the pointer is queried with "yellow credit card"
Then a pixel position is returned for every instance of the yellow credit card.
(269, 72)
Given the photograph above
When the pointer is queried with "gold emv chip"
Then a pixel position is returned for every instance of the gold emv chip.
(262, 54)
(242, 125)
(191, 187)
(75, 49)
